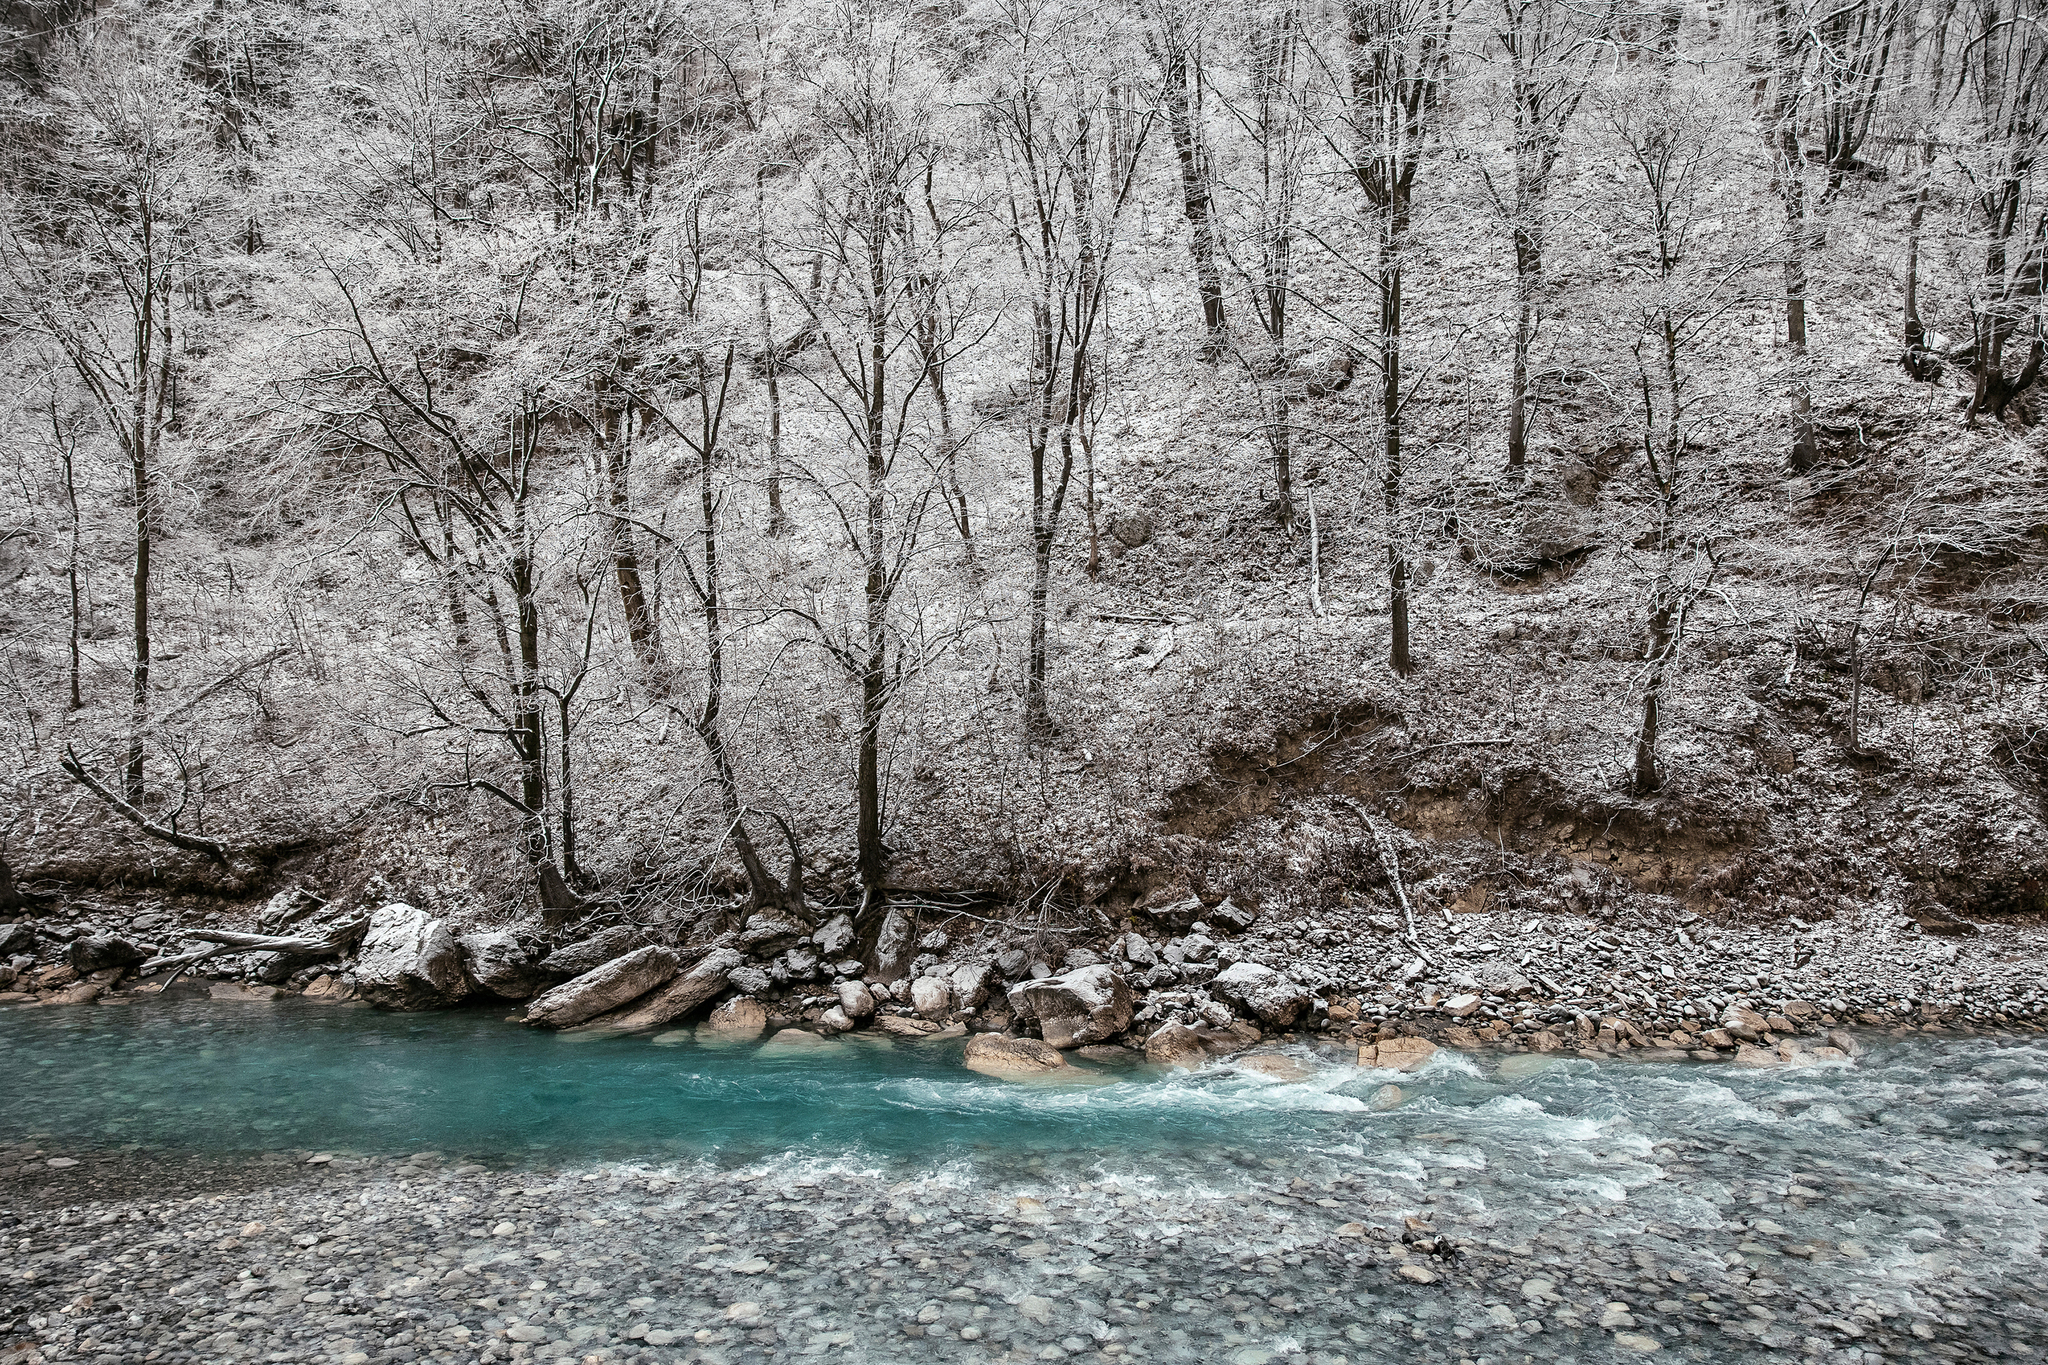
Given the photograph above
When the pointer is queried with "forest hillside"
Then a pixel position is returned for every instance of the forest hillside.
(660, 456)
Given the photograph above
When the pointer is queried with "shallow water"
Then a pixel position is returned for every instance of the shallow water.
(1891, 1208)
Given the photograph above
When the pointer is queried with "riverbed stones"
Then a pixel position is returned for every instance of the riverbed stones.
(857, 1000)
(1176, 1045)
(1090, 1005)
(995, 1054)
(739, 1015)
(500, 964)
(1262, 993)
(409, 961)
(1273, 1066)
(97, 952)
(606, 988)
(1397, 1054)
(682, 997)
(931, 997)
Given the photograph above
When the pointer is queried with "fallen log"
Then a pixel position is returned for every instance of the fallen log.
(218, 941)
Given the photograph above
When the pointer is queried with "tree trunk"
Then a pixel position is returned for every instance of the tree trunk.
(643, 627)
(1191, 152)
(1528, 270)
(1393, 223)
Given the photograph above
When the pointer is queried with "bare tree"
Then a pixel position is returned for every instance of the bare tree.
(1174, 39)
(1789, 50)
(872, 114)
(1278, 115)
(1071, 138)
(2004, 69)
(1398, 58)
(1552, 50)
(96, 260)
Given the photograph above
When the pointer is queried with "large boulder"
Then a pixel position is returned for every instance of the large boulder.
(1397, 1054)
(409, 961)
(1176, 1045)
(836, 938)
(996, 1055)
(767, 937)
(695, 988)
(587, 955)
(1231, 917)
(610, 986)
(1091, 1005)
(931, 996)
(741, 1014)
(1177, 916)
(971, 983)
(502, 965)
(856, 1000)
(17, 940)
(1262, 993)
(98, 952)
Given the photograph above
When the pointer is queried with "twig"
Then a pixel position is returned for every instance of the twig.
(1391, 861)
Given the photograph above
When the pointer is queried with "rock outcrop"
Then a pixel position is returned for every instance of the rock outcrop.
(500, 964)
(684, 995)
(595, 992)
(741, 1014)
(997, 1055)
(409, 961)
(587, 955)
(1091, 1005)
(98, 952)
(1262, 993)
(1176, 1045)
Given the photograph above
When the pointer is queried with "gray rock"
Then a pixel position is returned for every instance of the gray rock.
(836, 939)
(502, 965)
(856, 1000)
(971, 984)
(1262, 993)
(608, 987)
(937, 941)
(749, 980)
(1231, 917)
(1176, 1045)
(587, 955)
(1091, 1005)
(409, 961)
(1175, 915)
(97, 952)
(997, 1055)
(1012, 962)
(931, 996)
(1077, 958)
(681, 997)
(1138, 950)
(767, 937)
(17, 940)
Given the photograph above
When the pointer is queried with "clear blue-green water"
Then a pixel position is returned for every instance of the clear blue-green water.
(1848, 1213)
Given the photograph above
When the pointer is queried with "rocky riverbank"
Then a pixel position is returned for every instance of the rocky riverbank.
(1180, 980)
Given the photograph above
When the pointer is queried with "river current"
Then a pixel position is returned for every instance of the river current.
(876, 1200)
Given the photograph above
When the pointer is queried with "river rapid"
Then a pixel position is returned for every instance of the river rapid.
(191, 1181)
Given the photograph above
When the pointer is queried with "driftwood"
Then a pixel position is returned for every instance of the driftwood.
(219, 941)
(1391, 862)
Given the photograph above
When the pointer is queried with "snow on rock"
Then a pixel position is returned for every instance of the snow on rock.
(409, 961)
(1262, 992)
(1090, 1005)
(616, 982)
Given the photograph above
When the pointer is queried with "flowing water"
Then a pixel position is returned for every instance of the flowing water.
(879, 1201)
